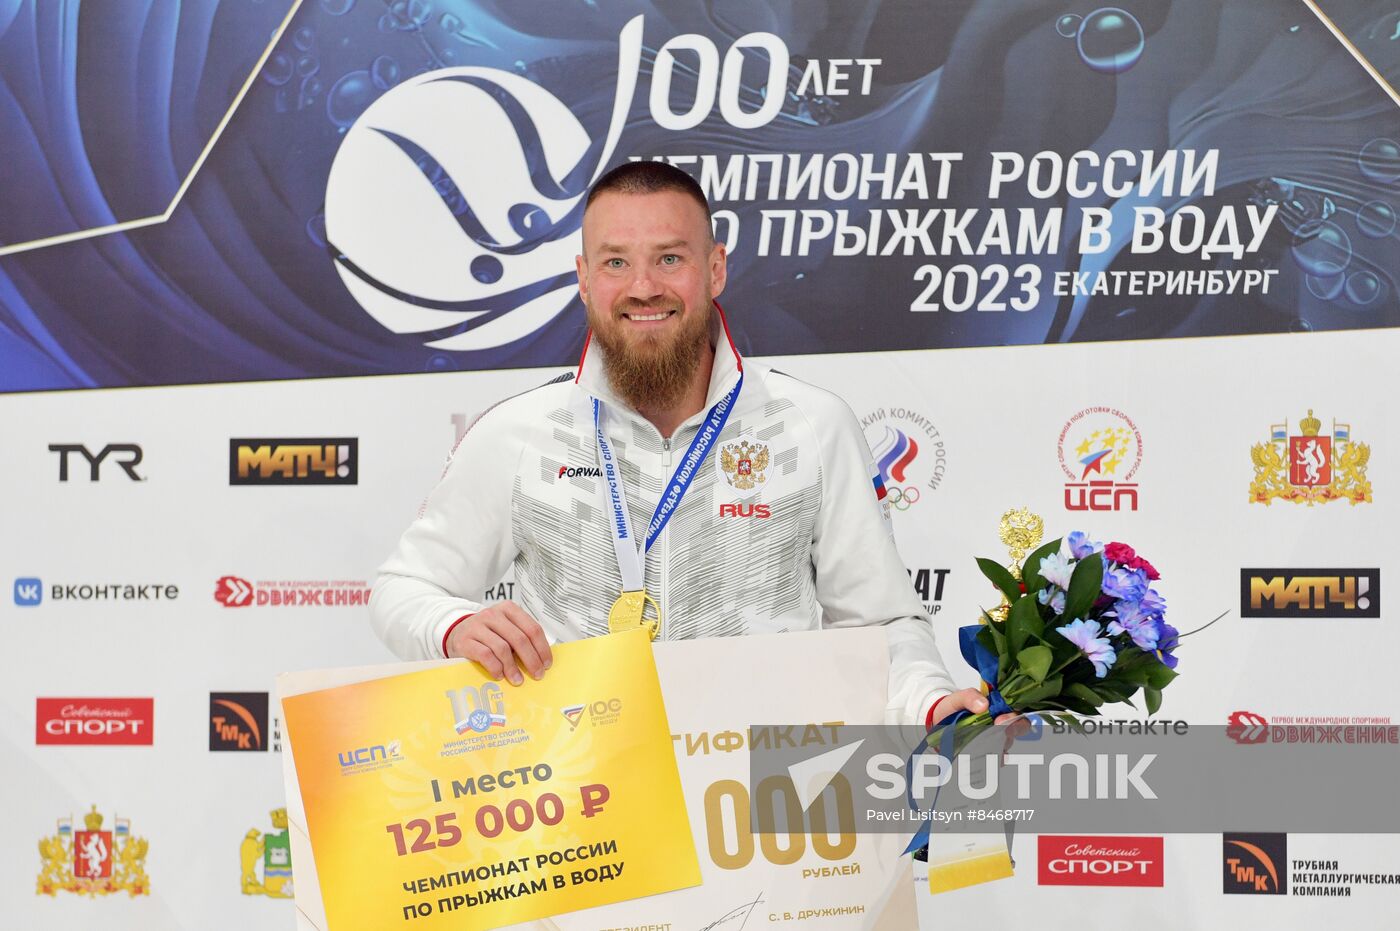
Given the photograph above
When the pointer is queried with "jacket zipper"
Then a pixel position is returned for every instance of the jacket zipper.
(664, 541)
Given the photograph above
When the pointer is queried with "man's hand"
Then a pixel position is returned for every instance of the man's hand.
(500, 639)
(974, 701)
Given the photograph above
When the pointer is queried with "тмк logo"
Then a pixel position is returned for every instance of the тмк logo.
(1256, 864)
(452, 191)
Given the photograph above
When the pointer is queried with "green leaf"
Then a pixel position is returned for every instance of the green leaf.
(1135, 676)
(1117, 694)
(1050, 688)
(1035, 661)
(1001, 577)
(998, 644)
(1084, 587)
(1159, 676)
(1023, 623)
(1030, 570)
(1153, 697)
(1082, 692)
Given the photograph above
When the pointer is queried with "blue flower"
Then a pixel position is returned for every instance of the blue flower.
(1124, 584)
(1081, 546)
(1131, 619)
(1085, 635)
(1054, 597)
(1057, 569)
(1153, 603)
(1166, 643)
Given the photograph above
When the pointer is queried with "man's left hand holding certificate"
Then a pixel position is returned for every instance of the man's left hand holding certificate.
(445, 800)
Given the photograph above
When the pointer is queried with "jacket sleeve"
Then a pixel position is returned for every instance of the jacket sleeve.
(461, 543)
(860, 577)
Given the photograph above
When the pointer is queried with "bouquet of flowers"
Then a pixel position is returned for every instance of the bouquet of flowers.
(1082, 626)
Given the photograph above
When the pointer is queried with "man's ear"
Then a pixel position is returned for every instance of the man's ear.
(582, 271)
(719, 269)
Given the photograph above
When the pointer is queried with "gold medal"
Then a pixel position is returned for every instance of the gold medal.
(629, 613)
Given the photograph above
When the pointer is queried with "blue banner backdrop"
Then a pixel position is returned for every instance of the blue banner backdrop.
(398, 188)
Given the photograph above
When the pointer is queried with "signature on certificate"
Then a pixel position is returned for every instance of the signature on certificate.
(735, 918)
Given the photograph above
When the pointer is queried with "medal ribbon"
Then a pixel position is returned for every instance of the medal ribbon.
(630, 556)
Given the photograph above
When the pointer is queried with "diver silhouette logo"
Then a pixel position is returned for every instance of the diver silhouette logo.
(455, 201)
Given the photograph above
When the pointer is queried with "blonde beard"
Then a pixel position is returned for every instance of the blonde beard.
(647, 375)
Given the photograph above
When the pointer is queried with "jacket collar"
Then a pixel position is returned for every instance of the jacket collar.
(592, 377)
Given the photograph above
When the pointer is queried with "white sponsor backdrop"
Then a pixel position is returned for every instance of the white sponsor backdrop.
(1199, 405)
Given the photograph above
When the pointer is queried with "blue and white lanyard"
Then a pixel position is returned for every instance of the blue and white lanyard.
(630, 556)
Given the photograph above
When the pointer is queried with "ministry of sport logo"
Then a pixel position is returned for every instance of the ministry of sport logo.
(454, 204)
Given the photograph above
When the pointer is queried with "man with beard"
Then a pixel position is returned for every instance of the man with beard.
(764, 504)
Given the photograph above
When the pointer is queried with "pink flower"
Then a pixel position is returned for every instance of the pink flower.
(1137, 562)
(1120, 553)
(1127, 557)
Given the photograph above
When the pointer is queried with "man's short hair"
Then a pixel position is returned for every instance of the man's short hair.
(648, 177)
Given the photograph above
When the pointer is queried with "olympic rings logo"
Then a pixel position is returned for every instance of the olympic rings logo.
(902, 498)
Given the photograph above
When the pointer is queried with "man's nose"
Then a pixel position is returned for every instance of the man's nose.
(643, 286)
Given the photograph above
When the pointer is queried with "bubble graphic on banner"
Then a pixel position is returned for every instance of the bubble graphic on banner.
(311, 88)
(1376, 219)
(1299, 325)
(349, 97)
(1068, 25)
(307, 65)
(1380, 160)
(1363, 288)
(1326, 288)
(303, 38)
(1111, 40)
(279, 69)
(385, 72)
(1321, 248)
(337, 7)
(409, 15)
(440, 363)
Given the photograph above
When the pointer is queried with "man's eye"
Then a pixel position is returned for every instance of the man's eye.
(670, 260)
(613, 263)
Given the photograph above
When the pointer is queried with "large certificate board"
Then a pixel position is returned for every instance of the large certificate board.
(444, 799)
(713, 691)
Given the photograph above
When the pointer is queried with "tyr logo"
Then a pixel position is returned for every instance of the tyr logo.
(131, 451)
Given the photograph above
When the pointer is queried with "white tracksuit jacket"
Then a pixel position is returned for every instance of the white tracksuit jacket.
(808, 546)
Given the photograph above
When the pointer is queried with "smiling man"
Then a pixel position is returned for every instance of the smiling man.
(668, 483)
